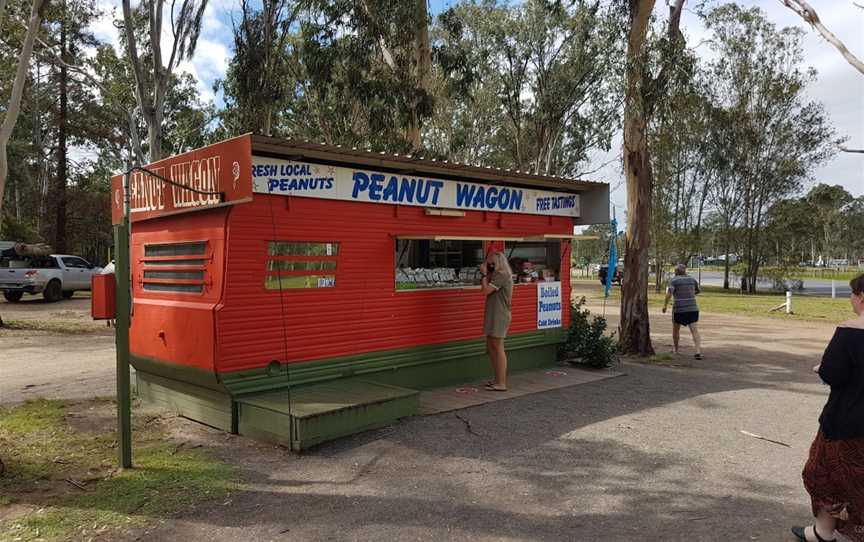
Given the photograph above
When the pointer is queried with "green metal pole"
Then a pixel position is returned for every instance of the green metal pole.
(123, 306)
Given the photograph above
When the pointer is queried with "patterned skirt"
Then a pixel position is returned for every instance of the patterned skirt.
(834, 478)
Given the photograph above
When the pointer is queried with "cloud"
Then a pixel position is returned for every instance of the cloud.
(103, 28)
(209, 63)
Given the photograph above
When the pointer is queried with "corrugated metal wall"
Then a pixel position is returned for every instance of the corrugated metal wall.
(178, 327)
(363, 313)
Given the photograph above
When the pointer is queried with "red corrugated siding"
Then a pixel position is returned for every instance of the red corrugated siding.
(178, 327)
(363, 313)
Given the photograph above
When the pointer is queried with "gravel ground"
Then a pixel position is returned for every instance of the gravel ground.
(654, 455)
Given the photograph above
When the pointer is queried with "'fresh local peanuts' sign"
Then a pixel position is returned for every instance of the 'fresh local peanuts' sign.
(283, 177)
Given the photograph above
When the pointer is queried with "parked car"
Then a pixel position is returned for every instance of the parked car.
(57, 276)
(604, 271)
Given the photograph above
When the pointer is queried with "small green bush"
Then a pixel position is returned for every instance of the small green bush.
(587, 342)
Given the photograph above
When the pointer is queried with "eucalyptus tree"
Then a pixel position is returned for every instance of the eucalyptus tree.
(258, 81)
(645, 87)
(152, 75)
(680, 139)
(531, 86)
(779, 136)
(13, 105)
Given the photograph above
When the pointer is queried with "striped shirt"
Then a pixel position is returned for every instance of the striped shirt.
(684, 289)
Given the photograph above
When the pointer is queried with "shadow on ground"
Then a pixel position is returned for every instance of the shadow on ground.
(654, 455)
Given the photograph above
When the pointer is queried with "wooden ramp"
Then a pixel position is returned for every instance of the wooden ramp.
(472, 394)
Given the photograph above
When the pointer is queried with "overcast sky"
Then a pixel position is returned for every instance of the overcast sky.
(839, 87)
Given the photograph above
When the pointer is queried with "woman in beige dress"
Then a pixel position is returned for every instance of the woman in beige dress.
(497, 286)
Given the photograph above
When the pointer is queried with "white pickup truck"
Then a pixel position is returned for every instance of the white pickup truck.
(56, 276)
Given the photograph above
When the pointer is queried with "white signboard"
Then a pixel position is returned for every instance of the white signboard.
(548, 305)
(282, 177)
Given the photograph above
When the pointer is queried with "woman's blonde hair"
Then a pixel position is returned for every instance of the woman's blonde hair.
(500, 262)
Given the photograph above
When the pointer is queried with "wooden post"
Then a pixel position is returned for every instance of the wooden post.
(121, 330)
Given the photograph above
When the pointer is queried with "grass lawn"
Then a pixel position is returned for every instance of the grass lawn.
(715, 299)
(61, 480)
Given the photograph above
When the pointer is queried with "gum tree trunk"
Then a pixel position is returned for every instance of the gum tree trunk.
(635, 330)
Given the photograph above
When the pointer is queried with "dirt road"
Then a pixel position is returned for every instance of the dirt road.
(36, 363)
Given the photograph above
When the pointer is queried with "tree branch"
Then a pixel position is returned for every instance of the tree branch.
(803, 9)
(385, 51)
(14, 107)
(21, 73)
(135, 59)
(131, 130)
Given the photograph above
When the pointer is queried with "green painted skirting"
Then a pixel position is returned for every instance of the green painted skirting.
(421, 367)
(330, 398)
(175, 371)
(203, 405)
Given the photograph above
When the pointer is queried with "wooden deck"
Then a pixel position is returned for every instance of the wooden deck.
(473, 394)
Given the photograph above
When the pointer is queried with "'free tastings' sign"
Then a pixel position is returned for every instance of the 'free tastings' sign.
(282, 177)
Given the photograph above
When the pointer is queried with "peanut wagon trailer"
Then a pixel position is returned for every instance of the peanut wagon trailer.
(299, 292)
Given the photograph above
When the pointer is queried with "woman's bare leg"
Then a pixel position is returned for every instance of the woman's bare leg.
(501, 366)
(826, 524)
(697, 339)
(676, 336)
(498, 359)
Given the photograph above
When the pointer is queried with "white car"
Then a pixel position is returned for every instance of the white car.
(56, 277)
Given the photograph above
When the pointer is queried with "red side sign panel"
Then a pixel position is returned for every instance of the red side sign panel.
(223, 170)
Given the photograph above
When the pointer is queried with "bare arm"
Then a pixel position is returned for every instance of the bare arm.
(486, 286)
(666, 301)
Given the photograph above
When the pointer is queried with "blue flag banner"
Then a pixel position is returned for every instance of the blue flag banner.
(613, 257)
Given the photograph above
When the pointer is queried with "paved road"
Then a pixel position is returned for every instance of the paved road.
(818, 287)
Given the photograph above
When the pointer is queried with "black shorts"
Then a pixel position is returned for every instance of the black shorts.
(685, 318)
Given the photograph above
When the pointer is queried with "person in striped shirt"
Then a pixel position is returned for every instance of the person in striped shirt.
(685, 312)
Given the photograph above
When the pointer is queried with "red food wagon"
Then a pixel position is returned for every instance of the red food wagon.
(298, 292)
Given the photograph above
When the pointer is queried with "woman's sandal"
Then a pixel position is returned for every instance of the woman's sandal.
(697, 356)
(492, 387)
(801, 533)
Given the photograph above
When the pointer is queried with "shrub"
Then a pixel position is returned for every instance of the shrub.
(587, 342)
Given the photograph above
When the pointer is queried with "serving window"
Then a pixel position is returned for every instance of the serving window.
(431, 263)
(300, 265)
(534, 261)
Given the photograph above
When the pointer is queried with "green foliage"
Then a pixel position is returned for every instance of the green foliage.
(532, 86)
(587, 342)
